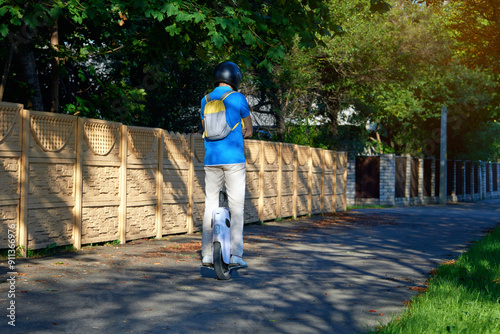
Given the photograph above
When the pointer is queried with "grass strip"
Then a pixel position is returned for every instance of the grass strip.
(462, 296)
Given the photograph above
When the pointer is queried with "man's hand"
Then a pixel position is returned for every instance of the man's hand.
(248, 129)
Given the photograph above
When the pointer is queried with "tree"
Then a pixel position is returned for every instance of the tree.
(397, 69)
(474, 24)
(111, 56)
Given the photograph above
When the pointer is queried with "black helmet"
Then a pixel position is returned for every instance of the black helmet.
(228, 72)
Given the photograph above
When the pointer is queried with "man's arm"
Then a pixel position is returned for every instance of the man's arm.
(248, 130)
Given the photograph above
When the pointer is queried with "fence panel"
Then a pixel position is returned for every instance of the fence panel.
(270, 185)
(287, 180)
(302, 183)
(100, 161)
(476, 179)
(253, 179)
(468, 178)
(317, 181)
(495, 176)
(142, 164)
(450, 173)
(198, 180)
(488, 186)
(415, 165)
(400, 177)
(176, 187)
(341, 182)
(330, 179)
(10, 168)
(368, 177)
(459, 180)
(428, 177)
(51, 156)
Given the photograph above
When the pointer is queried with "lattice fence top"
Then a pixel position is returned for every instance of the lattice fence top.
(271, 153)
(287, 154)
(303, 154)
(177, 147)
(8, 117)
(252, 150)
(52, 133)
(141, 142)
(100, 137)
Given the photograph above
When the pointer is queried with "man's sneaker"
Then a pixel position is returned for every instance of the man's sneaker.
(237, 261)
(207, 261)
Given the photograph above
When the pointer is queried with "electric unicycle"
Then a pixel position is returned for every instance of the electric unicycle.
(221, 239)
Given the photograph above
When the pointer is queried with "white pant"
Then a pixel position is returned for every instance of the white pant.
(233, 177)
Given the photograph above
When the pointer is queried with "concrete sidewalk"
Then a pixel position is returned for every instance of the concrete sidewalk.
(333, 274)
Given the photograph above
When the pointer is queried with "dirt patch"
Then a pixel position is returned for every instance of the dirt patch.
(183, 247)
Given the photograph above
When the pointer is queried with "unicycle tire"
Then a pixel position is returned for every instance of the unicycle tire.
(221, 269)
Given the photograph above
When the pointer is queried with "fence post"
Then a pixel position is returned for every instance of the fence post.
(77, 210)
(421, 181)
(23, 203)
(280, 179)
(191, 174)
(309, 181)
(159, 186)
(260, 209)
(294, 196)
(322, 183)
(333, 155)
(122, 220)
(344, 180)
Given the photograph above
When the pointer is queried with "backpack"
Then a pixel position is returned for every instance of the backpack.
(214, 117)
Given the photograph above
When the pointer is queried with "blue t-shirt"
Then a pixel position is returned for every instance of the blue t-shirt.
(229, 150)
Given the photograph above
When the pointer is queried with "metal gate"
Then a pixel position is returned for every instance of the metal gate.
(400, 177)
(495, 176)
(476, 179)
(459, 179)
(415, 165)
(437, 178)
(427, 177)
(468, 178)
(450, 172)
(368, 177)
(488, 187)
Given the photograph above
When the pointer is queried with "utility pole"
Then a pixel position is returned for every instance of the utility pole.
(443, 169)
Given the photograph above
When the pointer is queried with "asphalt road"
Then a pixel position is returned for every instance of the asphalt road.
(343, 273)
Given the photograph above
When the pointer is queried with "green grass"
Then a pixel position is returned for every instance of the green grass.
(463, 296)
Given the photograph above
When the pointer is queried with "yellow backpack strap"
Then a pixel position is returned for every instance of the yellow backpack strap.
(226, 94)
(234, 127)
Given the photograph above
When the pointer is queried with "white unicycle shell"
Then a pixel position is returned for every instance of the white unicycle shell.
(221, 232)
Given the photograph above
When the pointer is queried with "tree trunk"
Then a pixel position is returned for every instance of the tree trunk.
(34, 101)
(333, 113)
(6, 71)
(54, 76)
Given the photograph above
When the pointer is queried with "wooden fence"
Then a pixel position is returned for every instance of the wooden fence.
(73, 181)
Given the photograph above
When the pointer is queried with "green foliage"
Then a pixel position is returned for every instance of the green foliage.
(307, 133)
(149, 63)
(121, 58)
(379, 66)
